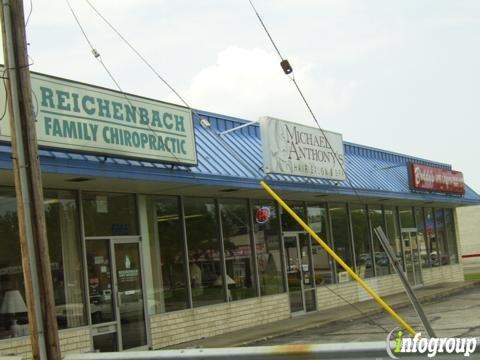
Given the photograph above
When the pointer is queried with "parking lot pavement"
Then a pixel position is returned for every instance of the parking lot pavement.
(454, 316)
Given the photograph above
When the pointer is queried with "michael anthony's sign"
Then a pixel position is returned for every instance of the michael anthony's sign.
(79, 117)
(429, 178)
(294, 149)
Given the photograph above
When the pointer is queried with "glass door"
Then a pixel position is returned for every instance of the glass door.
(294, 273)
(117, 308)
(412, 256)
(129, 293)
(301, 282)
(306, 267)
(100, 289)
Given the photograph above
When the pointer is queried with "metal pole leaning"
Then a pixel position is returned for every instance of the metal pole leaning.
(339, 260)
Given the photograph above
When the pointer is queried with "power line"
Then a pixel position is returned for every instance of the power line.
(289, 72)
(151, 67)
(29, 14)
(97, 56)
(265, 28)
(6, 93)
(138, 53)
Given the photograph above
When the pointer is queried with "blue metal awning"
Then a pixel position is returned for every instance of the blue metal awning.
(235, 160)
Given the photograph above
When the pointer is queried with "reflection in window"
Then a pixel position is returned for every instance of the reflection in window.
(422, 238)
(411, 246)
(322, 264)
(393, 232)
(100, 281)
(172, 255)
(11, 274)
(382, 264)
(109, 214)
(451, 238)
(406, 218)
(431, 237)
(361, 241)
(61, 216)
(238, 251)
(441, 241)
(341, 239)
(204, 251)
(267, 240)
(62, 230)
(288, 222)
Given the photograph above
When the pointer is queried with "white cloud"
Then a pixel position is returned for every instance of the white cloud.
(250, 83)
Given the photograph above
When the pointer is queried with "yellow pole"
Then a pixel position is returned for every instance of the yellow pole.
(339, 260)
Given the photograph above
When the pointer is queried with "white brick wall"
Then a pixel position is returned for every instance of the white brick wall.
(443, 274)
(468, 221)
(187, 325)
(71, 341)
(383, 285)
(352, 292)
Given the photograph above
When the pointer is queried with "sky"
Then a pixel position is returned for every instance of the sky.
(400, 75)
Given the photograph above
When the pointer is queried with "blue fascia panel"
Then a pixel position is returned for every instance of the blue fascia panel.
(236, 160)
(335, 190)
(144, 174)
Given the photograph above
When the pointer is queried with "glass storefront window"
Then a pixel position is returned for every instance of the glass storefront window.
(172, 255)
(341, 238)
(382, 264)
(11, 274)
(361, 241)
(204, 251)
(422, 238)
(288, 222)
(322, 264)
(268, 246)
(109, 214)
(431, 237)
(238, 250)
(393, 231)
(411, 247)
(451, 237)
(441, 237)
(61, 217)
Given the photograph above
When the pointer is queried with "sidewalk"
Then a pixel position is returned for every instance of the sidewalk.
(323, 318)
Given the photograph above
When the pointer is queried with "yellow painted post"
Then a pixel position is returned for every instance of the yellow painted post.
(339, 260)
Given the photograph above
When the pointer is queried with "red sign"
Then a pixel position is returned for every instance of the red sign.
(262, 215)
(434, 179)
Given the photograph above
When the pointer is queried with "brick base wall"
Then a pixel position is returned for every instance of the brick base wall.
(186, 325)
(181, 326)
(443, 274)
(71, 341)
(383, 285)
(352, 292)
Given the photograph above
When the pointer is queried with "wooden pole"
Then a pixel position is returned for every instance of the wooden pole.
(28, 185)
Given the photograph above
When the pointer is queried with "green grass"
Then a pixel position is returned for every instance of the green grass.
(474, 276)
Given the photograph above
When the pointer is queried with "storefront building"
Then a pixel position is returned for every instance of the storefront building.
(469, 230)
(160, 233)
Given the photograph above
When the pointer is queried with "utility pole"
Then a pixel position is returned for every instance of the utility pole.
(28, 186)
